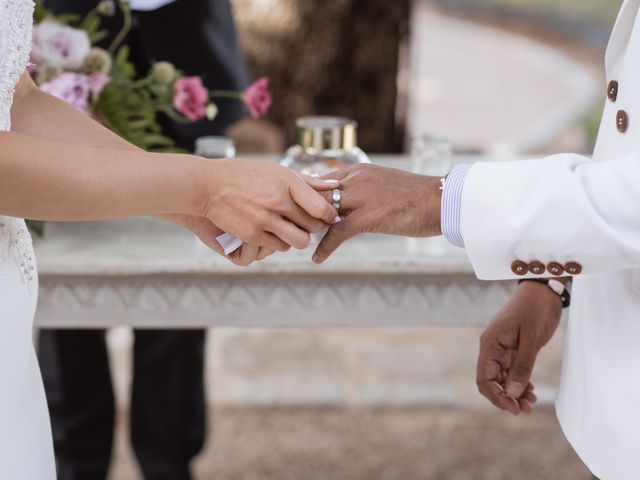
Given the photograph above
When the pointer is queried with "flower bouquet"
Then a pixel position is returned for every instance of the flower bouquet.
(103, 83)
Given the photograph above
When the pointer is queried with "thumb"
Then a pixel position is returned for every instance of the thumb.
(521, 370)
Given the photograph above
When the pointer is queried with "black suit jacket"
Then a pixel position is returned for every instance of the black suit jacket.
(198, 37)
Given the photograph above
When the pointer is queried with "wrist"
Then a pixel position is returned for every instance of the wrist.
(205, 186)
(548, 294)
(433, 206)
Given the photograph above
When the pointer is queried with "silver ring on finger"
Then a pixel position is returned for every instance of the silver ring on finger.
(336, 198)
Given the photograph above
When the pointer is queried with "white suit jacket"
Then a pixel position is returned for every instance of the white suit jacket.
(582, 215)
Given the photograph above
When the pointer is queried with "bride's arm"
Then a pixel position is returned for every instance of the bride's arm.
(51, 180)
(58, 165)
(41, 115)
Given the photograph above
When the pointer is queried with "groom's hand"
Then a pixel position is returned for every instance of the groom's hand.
(382, 200)
(511, 343)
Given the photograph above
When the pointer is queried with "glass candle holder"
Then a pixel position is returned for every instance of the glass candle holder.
(325, 144)
(215, 147)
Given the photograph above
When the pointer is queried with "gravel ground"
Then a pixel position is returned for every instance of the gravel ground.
(408, 444)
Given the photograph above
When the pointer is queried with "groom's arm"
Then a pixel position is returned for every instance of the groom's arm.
(563, 215)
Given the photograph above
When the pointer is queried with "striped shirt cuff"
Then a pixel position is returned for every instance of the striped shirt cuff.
(452, 205)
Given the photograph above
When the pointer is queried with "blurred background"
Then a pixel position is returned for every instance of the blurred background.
(500, 78)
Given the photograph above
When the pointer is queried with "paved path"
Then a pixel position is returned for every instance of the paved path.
(491, 90)
(357, 444)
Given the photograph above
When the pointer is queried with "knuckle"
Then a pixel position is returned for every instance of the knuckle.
(254, 233)
(494, 349)
(274, 202)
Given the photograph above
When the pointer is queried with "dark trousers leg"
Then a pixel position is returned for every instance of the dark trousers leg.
(75, 370)
(167, 405)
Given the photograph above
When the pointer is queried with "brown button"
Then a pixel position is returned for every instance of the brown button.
(622, 121)
(537, 268)
(520, 268)
(555, 269)
(612, 90)
(573, 268)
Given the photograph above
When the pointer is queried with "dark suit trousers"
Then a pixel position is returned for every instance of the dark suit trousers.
(167, 406)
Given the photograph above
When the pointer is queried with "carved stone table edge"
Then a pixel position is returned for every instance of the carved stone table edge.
(267, 300)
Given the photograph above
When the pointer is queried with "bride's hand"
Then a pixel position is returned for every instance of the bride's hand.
(208, 233)
(262, 203)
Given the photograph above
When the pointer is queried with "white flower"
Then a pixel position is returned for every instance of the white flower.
(59, 45)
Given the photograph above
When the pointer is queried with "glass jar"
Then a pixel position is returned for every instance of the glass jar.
(325, 144)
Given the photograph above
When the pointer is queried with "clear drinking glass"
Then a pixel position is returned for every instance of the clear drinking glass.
(431, 155)
(215, 147)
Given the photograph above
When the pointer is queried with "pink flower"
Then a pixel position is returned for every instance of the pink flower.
(257, 98)
(190, 98)
(97, 82)
(73, 88)
(59, 45)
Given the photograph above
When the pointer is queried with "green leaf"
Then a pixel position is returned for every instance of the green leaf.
(131, 113)
(41, 12)
(98, 36)
(68, 19)
(122, 67)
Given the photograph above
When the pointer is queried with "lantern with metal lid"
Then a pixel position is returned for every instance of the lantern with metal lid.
(325, 144)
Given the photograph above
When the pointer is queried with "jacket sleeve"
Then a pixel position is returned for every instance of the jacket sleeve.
(562, 209)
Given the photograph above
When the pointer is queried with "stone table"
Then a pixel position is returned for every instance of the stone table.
(147, 274)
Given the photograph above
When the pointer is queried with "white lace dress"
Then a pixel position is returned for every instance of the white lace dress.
(26, 451)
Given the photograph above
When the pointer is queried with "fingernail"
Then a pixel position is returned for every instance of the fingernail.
(338, 219)
(315, 258)
(515, 388)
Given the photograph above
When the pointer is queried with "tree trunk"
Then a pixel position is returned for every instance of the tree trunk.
(330, 57)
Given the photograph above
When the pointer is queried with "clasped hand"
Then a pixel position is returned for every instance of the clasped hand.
(269, 207)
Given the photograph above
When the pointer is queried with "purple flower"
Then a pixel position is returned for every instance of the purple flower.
(73, 88)
(59, 45)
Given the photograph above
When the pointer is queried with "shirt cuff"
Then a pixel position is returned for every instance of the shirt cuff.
(452, 205)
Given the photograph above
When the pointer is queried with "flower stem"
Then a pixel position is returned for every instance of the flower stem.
(143, 82)
(88, 18)
(227, 94)
(126, 27)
